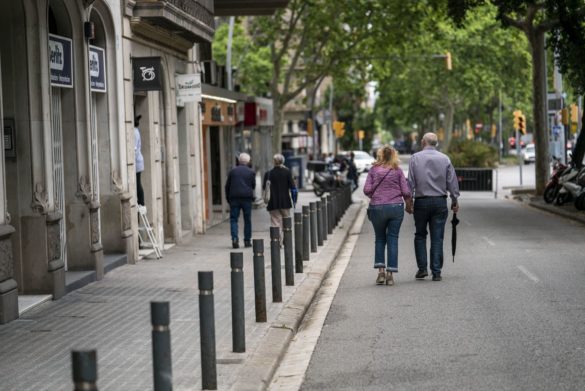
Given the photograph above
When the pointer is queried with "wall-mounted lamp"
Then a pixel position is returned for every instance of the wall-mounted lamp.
(89, 30)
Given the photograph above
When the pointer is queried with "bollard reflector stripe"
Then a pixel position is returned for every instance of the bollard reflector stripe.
(160, 328)
(85, 386)
(237, 270)
(205, 292)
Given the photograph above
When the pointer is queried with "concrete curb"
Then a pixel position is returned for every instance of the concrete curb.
(572, 215)
(261, 365)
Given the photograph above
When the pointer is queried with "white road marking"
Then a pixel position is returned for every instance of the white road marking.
(528, 274)
(488, 241)
(291, 372)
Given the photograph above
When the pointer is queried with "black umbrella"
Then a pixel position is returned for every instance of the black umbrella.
(454, 223)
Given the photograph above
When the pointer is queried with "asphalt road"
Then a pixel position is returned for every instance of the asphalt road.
(508, 315)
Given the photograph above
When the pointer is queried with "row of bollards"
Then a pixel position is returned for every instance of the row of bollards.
(311, 227)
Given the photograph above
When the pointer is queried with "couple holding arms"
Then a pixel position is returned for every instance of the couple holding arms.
(430, 177)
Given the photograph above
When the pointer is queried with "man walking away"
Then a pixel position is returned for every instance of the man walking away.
(239, 191)
(431, 176)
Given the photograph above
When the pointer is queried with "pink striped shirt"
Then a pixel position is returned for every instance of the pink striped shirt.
(392, 189)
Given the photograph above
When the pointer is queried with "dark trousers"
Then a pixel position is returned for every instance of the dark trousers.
(246, 207)
(139, 190)
(431, 212)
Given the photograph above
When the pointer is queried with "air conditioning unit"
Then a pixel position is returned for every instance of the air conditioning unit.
(209, 72)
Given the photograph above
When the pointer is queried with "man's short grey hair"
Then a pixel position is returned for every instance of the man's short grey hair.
(431, 139)
(244, 158)
(278, 159)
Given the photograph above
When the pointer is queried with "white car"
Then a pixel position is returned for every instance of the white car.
(529, 154)
(363, 161)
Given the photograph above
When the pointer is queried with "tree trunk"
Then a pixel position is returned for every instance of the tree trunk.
(278, 126)
(541, 143)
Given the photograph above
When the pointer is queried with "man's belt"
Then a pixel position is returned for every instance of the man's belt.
(425, 197)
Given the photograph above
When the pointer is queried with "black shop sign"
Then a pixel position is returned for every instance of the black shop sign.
(147, 73)
(61, 61)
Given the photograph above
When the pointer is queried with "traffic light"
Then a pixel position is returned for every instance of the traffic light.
(339, 128)
(517, 115)
(361, 134)
(565, 116)
(522, 124)
(574, 118)
(310, 127)
(448, 62)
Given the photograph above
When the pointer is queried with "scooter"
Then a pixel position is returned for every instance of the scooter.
(570, 189)
(553, 186)
(580, 198)
(326, 181)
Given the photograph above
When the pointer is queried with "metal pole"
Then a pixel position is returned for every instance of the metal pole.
(207, 331)
(312, 211)
(161, 346)
(329, 215)
(324, 219)
(84, 368)
(259, 280)
(298, 242)
(275, 264)
(306, 232)
(318, 216)
(499, 141)
(519, 153)
(289, 267)
(238, 312)
(228, 55)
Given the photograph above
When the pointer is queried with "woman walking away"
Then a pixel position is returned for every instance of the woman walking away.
(283, 192)
(388, 190)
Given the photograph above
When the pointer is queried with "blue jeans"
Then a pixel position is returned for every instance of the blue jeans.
(386, 220)
(246, 207)
(433, 212)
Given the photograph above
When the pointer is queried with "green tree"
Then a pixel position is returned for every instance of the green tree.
(251, 61)
(535, 18)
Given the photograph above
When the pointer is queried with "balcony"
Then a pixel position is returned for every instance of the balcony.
(187, 20)
(248, 7)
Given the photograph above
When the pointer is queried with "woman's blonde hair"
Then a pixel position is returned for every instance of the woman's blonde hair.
(387, 157)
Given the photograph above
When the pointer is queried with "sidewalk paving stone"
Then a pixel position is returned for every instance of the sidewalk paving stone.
(113, 316)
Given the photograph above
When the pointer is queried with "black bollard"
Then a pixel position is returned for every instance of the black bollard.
(84, 368)
(275, 264)
(313, 214)
(324, 219)
(306, 232)
(161, 346)
(298, 242)
(289, 267)
(238, 315)
(318, 216)
(259, 280)
(207, 331)
(329, 215)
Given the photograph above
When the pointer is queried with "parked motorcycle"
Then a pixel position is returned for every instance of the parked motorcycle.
(553, 186)
(570, 189)
(580, 198)
(327, 180)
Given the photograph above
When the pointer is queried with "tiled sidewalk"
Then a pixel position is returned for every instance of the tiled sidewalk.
(113, 316)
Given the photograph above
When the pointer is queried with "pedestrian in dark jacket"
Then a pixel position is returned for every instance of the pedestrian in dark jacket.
(239, 191)
(352, 172)
(283, 191)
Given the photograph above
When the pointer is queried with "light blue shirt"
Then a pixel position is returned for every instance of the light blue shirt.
(431, 174)
(137, 151)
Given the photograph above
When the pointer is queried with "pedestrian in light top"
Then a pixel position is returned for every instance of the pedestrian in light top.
(139, 160)
(388, 190)
(431, 176)
(239, 191)
(283, 192)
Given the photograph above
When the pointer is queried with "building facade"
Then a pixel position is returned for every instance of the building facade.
(63, 160)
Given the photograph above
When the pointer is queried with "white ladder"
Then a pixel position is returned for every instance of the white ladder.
(149, 232)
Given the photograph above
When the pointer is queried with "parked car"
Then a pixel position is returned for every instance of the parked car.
(528, 154)
(363, 161)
